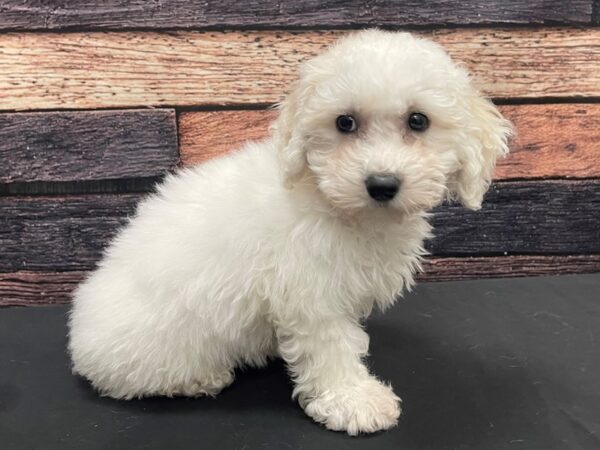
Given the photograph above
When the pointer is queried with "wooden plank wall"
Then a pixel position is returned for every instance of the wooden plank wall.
(98, 100)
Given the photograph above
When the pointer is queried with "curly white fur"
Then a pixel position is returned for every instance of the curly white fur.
(278, 250)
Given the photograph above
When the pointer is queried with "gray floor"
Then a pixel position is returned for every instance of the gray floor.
(491, 364)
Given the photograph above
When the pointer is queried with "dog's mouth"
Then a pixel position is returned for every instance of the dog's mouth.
(379, 204)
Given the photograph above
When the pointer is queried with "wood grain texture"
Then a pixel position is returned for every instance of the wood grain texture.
(59, 233)
(557, 217)
(87, 145)
(477, 267)
(38, 288)
(560, 140)
(204, 135)
(124, 14)
(553, 141)
(43, 288)
(91, 70)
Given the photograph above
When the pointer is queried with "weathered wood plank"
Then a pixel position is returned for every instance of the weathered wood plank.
(59, 233)
(43, 288)
(471, 268)
(204, 135)
(125, 14)
(523, 217)
(38, 288)
(557, 217)
(87, 145)
(552, 140)
(91, 70)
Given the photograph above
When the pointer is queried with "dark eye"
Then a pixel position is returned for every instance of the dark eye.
(418, 122)
(346, 123)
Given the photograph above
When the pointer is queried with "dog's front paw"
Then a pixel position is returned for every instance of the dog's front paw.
(363, 408)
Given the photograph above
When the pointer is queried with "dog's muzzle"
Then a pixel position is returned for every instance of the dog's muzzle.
(382, 187)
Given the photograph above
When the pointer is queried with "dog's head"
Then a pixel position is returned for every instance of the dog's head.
(386, 119)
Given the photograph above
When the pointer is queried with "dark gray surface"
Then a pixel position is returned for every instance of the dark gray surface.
(489, 364)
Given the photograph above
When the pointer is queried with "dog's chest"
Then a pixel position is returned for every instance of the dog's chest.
(374, 267)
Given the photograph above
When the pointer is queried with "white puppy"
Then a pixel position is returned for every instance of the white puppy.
(283, 248)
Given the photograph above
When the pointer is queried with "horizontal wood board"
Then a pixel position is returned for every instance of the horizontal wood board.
(87, 145)
(59, 233)
(41, 288)
(126, 14)
(127, 69)
(553, 141)
(38, 288)
(558, 217)
(475, 267)
(523, 217)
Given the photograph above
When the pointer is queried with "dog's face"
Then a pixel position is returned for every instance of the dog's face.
(387, 120)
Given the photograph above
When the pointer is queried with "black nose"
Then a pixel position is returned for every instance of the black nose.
(382, 188)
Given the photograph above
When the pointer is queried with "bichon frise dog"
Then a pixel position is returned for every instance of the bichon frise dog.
(283, 248)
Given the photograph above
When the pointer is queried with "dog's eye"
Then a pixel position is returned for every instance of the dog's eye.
(346, 123)
(418, 122)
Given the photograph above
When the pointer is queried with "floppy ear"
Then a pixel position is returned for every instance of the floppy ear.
(289, 131)
(486, 134)
(287, 136)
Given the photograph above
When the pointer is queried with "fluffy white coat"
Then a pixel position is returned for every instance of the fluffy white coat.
(278, 250)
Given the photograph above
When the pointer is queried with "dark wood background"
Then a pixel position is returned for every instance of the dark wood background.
(98, 100)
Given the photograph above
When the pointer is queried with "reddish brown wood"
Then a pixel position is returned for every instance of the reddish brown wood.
(560, 140)
(126, 69)
(449, 269)
(44, 288)
(553, 141)
(208, 134)
(37, 288)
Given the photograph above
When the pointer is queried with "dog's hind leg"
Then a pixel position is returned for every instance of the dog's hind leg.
(209, 385)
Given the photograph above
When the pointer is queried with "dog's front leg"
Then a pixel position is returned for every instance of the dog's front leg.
(332, 384)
